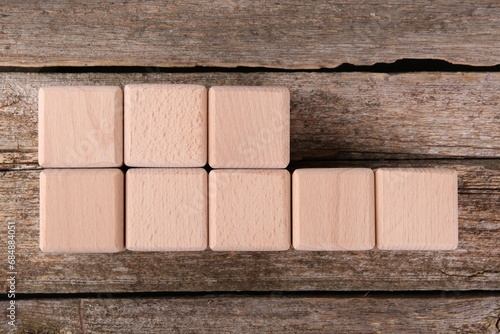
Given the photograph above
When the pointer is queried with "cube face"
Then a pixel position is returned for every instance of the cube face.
(333, 209)
(165, 125)
(80, 126)
(249, 127)
(249, 210)
(81, 210)
(416, 209)
(167, 209)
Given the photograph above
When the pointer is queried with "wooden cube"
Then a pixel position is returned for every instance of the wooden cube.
(80, 126)
(167, 209)
(249, 127)
(249, 210)
(81, 210)
(333, 209)
(165, 125)
(417, 209)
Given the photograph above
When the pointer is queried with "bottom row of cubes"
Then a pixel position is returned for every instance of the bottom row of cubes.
(170, 209)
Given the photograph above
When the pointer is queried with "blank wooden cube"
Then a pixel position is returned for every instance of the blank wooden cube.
(167, 209)
(81, 210)
(249, 127)
(80, 126)
(417, 209)
(249, 210)
(165, 125)
(333, 209)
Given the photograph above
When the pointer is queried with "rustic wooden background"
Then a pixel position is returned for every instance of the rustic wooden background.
(412, 83)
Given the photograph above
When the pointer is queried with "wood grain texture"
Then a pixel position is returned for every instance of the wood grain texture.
(82, 210)
(165, 126)
(166, 209)
(333, 115)
(80, 126)
(475, 265)
(333, 209)
(435, 313)
(249, 210)
(294, 34)
(416, 209)
(249, 127)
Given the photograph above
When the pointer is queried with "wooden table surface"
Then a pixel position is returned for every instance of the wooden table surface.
(435, 101)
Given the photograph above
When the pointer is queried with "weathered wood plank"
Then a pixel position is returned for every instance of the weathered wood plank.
(333, 115)
(43, 316)
(257, 314)
(474, 265)
(294, 34)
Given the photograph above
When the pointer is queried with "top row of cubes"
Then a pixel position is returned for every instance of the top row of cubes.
(164, 126)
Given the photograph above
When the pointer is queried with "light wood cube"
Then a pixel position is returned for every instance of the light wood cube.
(333, 209)
(81, 210)
(167, 209)
(80, 126)
(249, 210)
(249, 127)
(417, 209)
(165, 125)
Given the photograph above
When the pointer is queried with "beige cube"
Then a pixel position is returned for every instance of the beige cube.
(80, 126)
(249, 210)
(167, 209)
(81, 210)
(249, 127)
(417, 209)
(165, 125)
(333, 209)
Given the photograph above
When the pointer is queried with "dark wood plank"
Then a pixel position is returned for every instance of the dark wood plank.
(260, 314)
(293, 34)
(333, 115)
(45, 316)
(475, 265)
